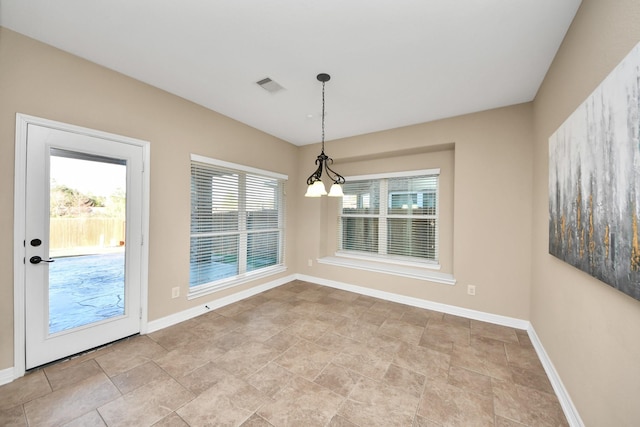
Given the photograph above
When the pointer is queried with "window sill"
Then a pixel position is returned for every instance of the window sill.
(209, 288)
(419, 273)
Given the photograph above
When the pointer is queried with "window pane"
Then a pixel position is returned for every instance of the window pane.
(412, 237)
(228, 206)
(413, 195)
(214, 200)
(213, 258)
(360, 234)
(262, 250)
(361, 197)
(262, 202)
(401, 202)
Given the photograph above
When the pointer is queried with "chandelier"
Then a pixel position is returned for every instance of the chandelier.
(316, 187)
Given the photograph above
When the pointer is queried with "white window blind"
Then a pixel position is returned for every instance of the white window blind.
(393, 217)
(237, 223)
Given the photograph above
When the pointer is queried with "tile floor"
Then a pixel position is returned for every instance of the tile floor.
(298, 355)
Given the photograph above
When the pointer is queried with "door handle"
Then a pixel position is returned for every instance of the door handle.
(37, 260)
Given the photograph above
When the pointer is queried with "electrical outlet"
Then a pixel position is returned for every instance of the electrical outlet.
(175, 292)
(471, 289)
(310, 262)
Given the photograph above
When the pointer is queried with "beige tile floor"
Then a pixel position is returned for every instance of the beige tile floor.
(297, 355)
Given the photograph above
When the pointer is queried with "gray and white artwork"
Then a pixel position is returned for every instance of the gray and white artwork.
(594, 182)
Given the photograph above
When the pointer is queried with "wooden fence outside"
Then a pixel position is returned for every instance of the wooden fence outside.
(68, 233)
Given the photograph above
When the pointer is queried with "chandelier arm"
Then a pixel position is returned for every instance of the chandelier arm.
(333, 175)
(317, 175)
(336, 178)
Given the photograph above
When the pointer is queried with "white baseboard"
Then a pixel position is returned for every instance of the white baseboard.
(6, 375)
(175, 318)
(497, 319)
(569, 409)
(181, 316)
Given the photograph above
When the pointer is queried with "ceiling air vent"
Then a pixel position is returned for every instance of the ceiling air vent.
(269, 85)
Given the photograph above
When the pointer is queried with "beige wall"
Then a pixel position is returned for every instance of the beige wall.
(590, 331)
(38, 80)
(485, 159)
(497, 160)
(487, 225)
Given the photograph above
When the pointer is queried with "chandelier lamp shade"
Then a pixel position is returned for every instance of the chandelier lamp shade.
(316, 187)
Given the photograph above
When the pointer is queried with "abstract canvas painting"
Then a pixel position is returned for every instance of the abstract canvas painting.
(594, 182)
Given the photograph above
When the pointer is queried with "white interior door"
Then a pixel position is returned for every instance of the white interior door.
(83, 242)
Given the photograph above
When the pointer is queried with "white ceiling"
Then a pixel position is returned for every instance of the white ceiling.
(392, 62)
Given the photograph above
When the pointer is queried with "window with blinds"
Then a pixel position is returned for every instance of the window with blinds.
(391, 216)
(237, 222)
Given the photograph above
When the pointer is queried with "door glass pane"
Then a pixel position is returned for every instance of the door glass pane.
(87, 223)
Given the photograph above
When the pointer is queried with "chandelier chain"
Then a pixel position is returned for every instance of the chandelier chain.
(323, 116)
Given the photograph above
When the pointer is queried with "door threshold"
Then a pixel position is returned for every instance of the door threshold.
(79, 355)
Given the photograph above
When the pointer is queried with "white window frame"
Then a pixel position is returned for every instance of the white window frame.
(243, 276)
(382, 215)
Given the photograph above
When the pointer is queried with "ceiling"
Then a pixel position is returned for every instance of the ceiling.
(392, 63)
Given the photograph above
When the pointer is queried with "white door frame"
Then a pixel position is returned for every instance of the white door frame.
(19, 219)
